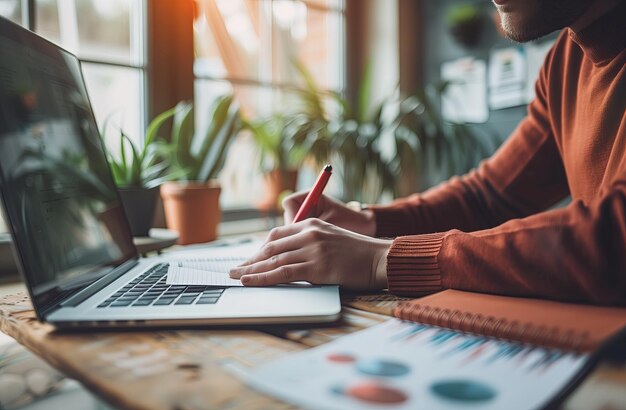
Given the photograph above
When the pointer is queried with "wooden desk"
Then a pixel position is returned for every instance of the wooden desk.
(193, 369)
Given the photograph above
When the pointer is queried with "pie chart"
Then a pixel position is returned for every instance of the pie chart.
(373, 393)
(384, 368)
(341, 358)
(463, 390)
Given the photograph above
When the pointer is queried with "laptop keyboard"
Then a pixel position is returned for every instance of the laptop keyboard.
(150, 289)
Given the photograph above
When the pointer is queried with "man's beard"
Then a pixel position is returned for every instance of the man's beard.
(547, 16)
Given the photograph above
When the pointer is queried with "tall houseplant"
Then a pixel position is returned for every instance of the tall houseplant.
(465, 23)
(399, 147)
(191, 203)
(138, 172)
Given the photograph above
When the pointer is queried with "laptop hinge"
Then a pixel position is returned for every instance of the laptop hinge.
(100, 284)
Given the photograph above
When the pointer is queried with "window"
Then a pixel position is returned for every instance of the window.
(109, 39)
(12, 9)
(249, 47)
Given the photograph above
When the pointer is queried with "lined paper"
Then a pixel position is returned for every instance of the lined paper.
(203, 271)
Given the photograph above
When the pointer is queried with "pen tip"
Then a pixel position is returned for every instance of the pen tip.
(328, 168)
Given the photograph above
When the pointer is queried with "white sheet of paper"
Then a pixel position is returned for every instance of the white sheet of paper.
(465, 99)
(203, 271)
(209, 265)
(405, 365)
(507, 78)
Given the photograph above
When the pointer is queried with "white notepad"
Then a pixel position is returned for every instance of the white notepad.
(203, 271)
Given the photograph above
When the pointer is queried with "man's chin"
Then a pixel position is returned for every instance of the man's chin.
(522, 32)
(527, 20)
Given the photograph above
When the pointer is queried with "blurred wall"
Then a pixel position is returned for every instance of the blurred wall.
(372, 39)
(383, 49)
(438, 47)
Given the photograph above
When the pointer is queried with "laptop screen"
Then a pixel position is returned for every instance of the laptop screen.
(59, 197)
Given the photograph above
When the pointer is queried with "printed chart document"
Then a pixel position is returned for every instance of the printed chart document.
(406, 365)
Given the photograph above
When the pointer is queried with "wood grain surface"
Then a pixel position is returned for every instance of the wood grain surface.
(171, 369)
(202, 368)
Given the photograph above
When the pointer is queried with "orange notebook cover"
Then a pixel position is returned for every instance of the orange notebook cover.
(565, 326)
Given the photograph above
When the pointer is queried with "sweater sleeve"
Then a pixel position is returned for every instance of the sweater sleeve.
(490, 232)
(574, 254)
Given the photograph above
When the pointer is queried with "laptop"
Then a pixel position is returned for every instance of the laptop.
(72, 239)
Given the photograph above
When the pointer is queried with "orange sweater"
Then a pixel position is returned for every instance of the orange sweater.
(493, 233)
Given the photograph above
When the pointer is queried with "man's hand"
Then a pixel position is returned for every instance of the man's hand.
(319, 253)
(334, 212)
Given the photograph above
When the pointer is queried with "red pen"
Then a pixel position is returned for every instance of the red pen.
(314, 194)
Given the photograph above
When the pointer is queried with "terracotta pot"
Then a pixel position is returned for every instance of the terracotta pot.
(276, 183)
(192, 209)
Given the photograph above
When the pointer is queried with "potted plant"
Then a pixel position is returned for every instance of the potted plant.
(465, 23)
(344, 134)
(138, 171)
(442, 149)
(191, 202)
(400, 147)
(279, 160)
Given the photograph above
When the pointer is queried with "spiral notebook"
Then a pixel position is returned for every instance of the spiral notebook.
(565, 326)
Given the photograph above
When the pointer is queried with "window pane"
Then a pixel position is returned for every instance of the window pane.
(254, 43)
(260, 41)
(228, 36)
(108, 30)
(310, 36)
(329, 4)
(47, 20)
(116, 93)
(11, 9)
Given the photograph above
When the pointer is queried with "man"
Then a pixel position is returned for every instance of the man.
(491, 230)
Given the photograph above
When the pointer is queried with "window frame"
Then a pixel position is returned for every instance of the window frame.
(29, 21)
(167, 30)
(286, 86)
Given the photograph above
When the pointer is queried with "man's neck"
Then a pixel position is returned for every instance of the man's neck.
(594, 12)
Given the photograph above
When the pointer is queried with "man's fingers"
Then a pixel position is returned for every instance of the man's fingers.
(283, 274)
(271, 263)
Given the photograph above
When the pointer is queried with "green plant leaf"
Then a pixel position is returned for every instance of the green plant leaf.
(118, 173)
(123, 162)
(183, 135)
(217, 156)
(156, 124)
(133, 169)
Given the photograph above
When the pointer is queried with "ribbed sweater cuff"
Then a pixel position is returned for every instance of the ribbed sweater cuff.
(413, 266)
(390, 222)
